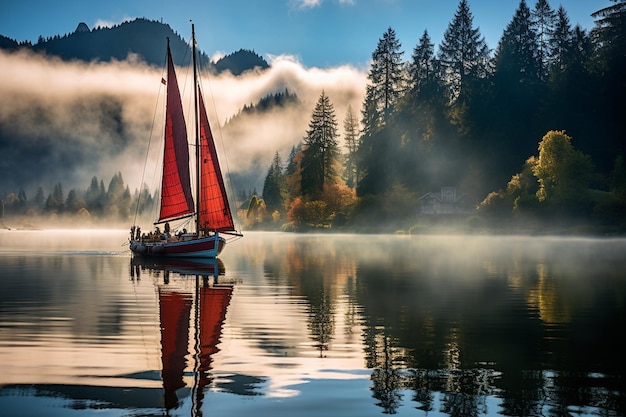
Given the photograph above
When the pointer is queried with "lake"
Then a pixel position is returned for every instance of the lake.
(313, 325)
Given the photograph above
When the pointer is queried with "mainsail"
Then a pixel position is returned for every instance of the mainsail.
(213, 211)
(176, 197)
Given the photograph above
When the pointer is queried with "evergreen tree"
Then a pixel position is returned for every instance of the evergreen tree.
(38, 201)
(386, 82)
(609, 35)
(544, 21)
(74, 202)
(116, 188)
(517, 54)
(55, 200)
(293, 173)
(425, 105)
(560, 42)
(22, 200)
(94, 198)
(351, 138)
(321, 149)
(571, 86)
(274, 186)
(422, 67)
(124, 204)
(463, 54)
(517, 91)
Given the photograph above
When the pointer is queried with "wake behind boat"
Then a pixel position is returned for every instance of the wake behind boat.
(211, 209)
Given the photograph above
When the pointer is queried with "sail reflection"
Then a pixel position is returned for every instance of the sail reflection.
(198, 311)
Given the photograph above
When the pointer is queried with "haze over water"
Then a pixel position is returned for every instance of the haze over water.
(346, 325)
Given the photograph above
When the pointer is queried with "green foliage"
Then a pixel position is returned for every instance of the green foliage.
(563, 172)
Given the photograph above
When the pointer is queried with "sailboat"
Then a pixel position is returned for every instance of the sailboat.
(211, 210)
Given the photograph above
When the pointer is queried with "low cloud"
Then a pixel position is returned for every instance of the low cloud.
(68, 121)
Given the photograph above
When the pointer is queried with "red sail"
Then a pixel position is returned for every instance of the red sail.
(176, 198)
(213, 304)
(174, 312)
(214, 211)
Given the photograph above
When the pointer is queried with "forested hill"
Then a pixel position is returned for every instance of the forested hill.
(139, 38)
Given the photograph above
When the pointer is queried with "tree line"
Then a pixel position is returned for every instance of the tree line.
(95, 205)
(549, 99)
(530, 130)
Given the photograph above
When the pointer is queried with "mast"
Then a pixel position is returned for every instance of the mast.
(196, 126)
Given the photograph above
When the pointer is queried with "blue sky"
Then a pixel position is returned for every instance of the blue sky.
(320, 33)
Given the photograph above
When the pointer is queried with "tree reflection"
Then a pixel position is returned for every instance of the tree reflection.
(458, 324)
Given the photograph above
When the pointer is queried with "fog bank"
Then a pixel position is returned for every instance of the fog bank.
(68, 121)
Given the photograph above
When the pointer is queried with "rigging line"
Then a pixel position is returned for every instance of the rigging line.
(145, 162)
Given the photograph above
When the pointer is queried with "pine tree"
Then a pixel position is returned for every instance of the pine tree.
(321, 149)
(560, 42)
(517, 54)
(544, 22)
(274, 186)
(55, 200)
(351, 138)
(422, 67)
(463, 54)
(386, 82)
(74, 202)
(38, 201)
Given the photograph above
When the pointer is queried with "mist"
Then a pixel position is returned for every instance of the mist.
(70, 121)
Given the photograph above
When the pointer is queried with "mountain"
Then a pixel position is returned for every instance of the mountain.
(240, 61)
(138, 38)
(60, 141)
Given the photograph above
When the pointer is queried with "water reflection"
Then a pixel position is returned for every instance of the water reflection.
(456, 323)
(289, 324)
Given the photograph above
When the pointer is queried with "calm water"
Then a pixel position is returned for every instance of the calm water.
(313, 325)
